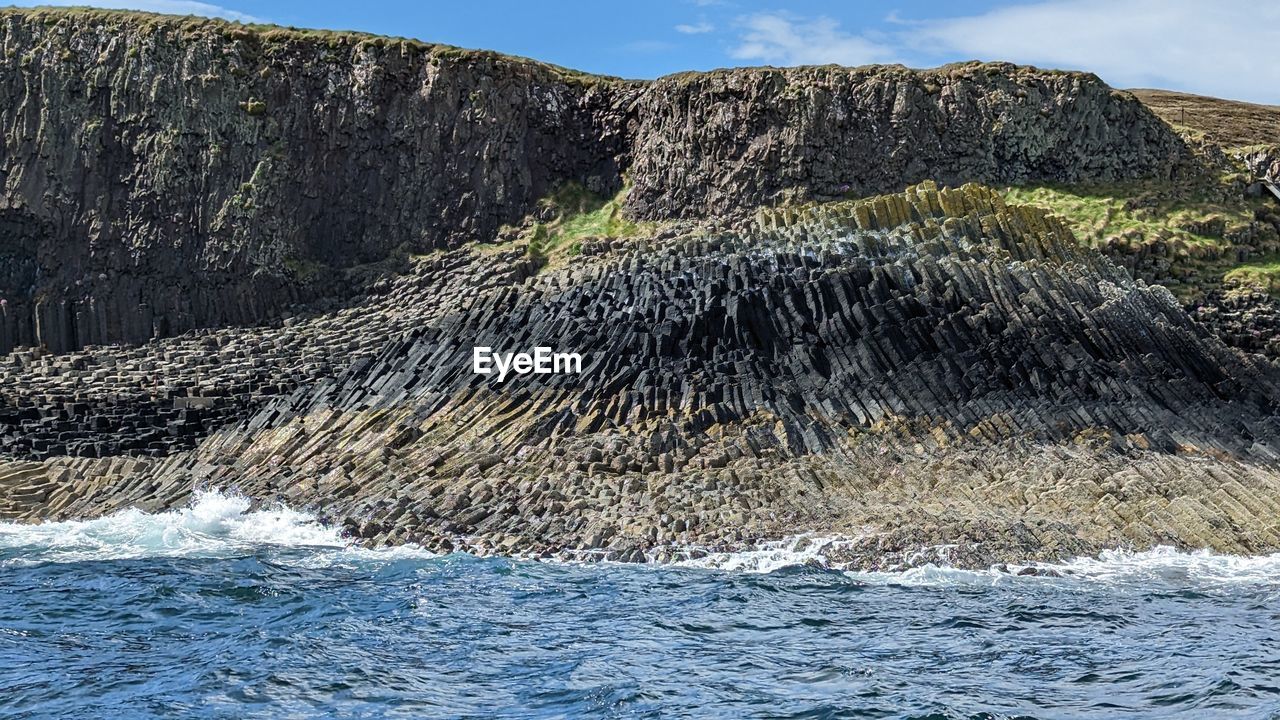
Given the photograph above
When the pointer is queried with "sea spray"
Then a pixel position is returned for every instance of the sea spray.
(215, 524)
(221, 524)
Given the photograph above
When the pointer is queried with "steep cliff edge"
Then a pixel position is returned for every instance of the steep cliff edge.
(710, 142)
(259, 259)
(164, 173)
(159, 174)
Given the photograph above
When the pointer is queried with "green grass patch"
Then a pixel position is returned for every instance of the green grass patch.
(578, 215)
(1190, 237)
(1136, 213)
(1264, 275)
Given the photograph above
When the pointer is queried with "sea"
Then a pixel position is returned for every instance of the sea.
(220, 611)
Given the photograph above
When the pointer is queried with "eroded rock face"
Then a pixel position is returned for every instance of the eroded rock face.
(709, 142)
(923, 368)
(919, 368)
(160, 174)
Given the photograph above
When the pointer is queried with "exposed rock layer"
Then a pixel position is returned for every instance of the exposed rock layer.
(709, 142)
(160, 174)
(924, 368)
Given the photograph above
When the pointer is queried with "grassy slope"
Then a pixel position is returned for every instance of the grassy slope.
(1227, 122)
(1194, 237)
(1189, 239)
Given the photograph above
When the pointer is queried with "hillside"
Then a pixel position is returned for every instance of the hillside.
(164, 174)
(1229, 123)
(912, 308)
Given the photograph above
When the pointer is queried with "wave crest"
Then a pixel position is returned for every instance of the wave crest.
(214, 524)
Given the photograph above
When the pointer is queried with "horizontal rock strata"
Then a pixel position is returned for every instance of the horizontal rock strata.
(925, 368)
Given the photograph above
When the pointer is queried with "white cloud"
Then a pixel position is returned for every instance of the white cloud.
(171, 7)
(698, 29)
(1218, 48)
(783, 39)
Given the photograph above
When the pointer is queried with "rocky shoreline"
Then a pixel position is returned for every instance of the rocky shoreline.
(259, 260)
(931, 368)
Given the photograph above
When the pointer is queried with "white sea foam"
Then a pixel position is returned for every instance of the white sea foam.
(768, 556)
(215, 524)
(1158, 565)
(218, 524)
(1164, 563)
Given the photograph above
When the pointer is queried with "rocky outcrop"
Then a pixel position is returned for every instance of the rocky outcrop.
(1262, 161)
(155, 399)
(288, 230)
(160, 174)
(709, 142)
(1244, 317)
(921, 368)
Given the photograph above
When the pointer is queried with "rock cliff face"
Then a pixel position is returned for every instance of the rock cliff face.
(709, 142)
(159, 174)
(923, 368)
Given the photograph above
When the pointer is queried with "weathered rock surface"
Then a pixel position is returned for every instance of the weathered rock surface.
(919, 369)
(160, 174)
(1244, 318)
(286, 230)
(709, 142)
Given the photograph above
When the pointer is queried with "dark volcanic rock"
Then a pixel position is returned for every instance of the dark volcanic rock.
(1245, 318)
(284, 228)
(709, 142)
(918, 369)
(160, 174)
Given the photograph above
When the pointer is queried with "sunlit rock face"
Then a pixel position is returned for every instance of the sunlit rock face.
(160, 174)
(262, 260)
(912, 369)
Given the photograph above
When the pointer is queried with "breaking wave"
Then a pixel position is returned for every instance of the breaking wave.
(1160, 565)
(218, 524)
(215, 524)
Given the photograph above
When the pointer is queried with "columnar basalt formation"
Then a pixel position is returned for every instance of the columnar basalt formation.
(259, 259)
(709, 142)
(160, 174)
(921, 368)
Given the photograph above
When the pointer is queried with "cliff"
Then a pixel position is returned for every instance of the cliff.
(159, 174)
(259, 259)
(927, 368)
(709, 142)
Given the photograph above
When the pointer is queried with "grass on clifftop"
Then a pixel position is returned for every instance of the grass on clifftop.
(1190, 238)
(1229, 123)
(262, 34)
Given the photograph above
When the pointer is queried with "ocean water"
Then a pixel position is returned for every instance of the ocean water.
(217, 612)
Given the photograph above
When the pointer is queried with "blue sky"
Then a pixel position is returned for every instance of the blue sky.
(1214, 48)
